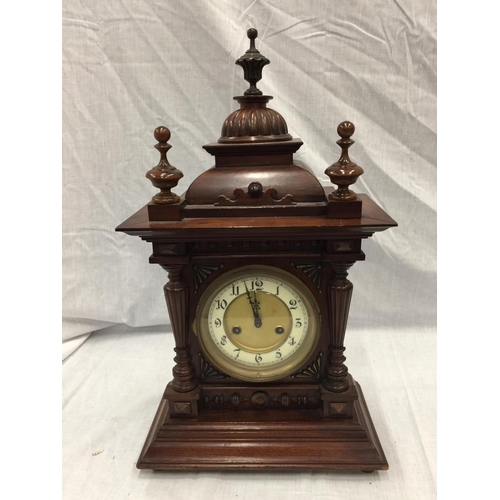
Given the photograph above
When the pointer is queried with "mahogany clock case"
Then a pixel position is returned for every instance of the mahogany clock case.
(259, 207)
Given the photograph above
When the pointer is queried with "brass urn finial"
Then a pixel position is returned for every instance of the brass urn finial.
(252, 63)
(344, 172)
(164, 176)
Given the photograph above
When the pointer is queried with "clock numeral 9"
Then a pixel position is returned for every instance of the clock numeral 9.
(217, 322)
(258, 358)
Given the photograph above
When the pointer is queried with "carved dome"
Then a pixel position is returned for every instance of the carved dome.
(254, 122)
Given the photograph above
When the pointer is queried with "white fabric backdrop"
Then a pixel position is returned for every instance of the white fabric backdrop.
(130, 66)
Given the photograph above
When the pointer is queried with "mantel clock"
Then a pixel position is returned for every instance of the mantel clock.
(257, 253)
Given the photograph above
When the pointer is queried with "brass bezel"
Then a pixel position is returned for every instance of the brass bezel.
(257, 374)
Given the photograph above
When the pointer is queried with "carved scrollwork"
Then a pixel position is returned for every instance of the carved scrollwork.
(313, 272)
(312, 371)
(242, 198)
(208, 371)
(201, 273)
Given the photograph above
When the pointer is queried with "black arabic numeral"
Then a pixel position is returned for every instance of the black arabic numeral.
(220, 304)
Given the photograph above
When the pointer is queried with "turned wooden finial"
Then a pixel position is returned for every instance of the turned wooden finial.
(344, 172)
(252, 63)
(164, 176)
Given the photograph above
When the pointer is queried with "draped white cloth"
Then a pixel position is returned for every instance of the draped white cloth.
(131, 66)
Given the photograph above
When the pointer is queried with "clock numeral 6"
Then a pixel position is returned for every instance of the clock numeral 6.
(258, 358)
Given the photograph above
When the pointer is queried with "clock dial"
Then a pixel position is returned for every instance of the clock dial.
(257, 323)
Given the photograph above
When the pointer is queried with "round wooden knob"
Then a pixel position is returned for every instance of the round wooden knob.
(346, 129)
(252, 33)
(162, 134)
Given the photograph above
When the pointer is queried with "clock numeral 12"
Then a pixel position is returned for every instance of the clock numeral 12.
(256, 285)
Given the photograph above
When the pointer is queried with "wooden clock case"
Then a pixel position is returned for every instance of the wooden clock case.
(257, 206)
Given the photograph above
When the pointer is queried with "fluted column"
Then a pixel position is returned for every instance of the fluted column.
(176, 296)
(339, 295)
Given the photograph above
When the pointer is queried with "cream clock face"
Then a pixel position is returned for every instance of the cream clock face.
(257, 323)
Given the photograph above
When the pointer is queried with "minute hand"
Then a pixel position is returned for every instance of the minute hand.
(255, 309)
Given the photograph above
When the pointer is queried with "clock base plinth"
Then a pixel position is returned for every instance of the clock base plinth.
(261, 439)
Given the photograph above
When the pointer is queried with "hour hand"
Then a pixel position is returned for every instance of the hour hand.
(255, 308)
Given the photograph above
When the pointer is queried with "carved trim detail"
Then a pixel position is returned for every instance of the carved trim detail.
(261, 400)
(176, 296)
(201, 273)
(241, 198)
(339, 295)
(312, 371)
(313, 272)
(208, 371)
